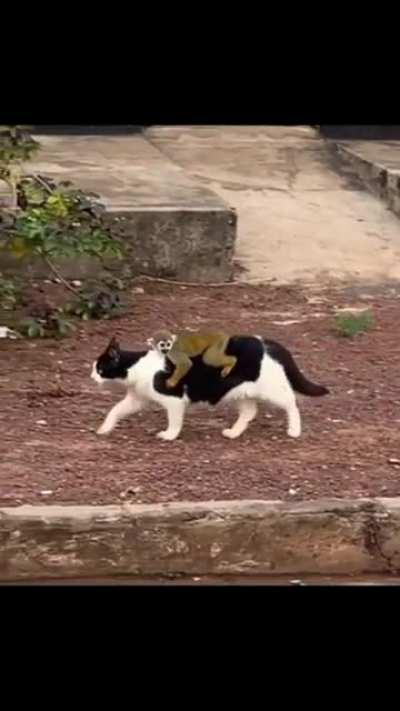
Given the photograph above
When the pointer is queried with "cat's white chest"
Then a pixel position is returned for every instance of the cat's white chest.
(141, 375)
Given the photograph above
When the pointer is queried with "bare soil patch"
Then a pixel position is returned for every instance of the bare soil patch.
(350, 445)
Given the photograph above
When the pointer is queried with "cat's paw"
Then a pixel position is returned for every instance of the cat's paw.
(104, 430)
(231, 433)
(167, 436)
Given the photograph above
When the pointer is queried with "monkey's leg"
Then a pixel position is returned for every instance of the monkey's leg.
(182, 365)
(215, 355)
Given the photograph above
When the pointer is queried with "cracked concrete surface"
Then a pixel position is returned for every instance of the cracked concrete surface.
(300, 217)
(326, 537)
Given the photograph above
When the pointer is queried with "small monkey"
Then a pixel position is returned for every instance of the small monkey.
(182, 348)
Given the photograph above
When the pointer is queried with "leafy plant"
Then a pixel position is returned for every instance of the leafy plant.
(54, 326)
(59, 221)
(350, 324)
(9, 293)
(52, 220)
(16, 147)
(94, 305)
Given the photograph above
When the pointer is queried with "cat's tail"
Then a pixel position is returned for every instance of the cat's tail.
(294, 375)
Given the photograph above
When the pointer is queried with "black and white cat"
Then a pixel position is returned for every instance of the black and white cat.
(265, 371)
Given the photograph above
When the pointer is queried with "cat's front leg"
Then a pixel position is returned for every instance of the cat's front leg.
(175, 414)
(125, 407)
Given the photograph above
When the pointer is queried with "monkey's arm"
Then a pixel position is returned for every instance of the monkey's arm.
(182, 365)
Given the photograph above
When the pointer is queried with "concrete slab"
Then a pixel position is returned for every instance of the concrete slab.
(173, 226)
(127, 172)
(300, 216)
(377, 164)
(385, 154)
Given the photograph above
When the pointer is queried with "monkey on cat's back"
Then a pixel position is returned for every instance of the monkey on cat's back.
(185, 346)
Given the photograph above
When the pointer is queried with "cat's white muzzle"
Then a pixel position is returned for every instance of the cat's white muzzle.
(95, 375)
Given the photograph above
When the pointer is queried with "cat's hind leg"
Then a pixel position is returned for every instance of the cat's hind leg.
(247, 412)
(286, 400)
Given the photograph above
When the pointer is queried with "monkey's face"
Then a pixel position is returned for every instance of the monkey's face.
(164, 346)
(162, 342)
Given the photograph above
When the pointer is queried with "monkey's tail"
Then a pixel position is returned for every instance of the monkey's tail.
(294, 375)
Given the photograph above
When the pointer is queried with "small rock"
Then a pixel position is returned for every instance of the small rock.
(76, 282)
(41, 422)
(8, 333)
(292, 492)
(138, 290)
(394, 461)
(351, 309)
(132, 490)
(286, 323)
(196, 579)
(315, 300)
(46, 492)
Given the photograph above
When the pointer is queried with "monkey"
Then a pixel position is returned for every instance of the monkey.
(185, 346)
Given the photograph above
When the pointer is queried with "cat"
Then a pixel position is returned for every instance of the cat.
(265, 371)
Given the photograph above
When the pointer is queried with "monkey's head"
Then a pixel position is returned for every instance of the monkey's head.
(162, 341)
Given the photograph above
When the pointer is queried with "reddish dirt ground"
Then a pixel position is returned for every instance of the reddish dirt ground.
(49, 452)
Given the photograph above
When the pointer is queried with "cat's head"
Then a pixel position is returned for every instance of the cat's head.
(108, 365)
(117, 367)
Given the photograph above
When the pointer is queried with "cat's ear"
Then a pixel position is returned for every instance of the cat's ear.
(113, 349)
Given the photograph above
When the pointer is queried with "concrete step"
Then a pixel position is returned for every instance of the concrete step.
(300, 218)
(377, 164)
(172, 226)
(367, 132)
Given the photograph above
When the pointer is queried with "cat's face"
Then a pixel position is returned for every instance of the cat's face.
(108, 366)
(116, 366)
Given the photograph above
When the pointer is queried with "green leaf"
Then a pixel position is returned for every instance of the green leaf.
(34, 330)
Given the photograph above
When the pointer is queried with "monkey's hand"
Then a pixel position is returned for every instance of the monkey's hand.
(225, 371)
